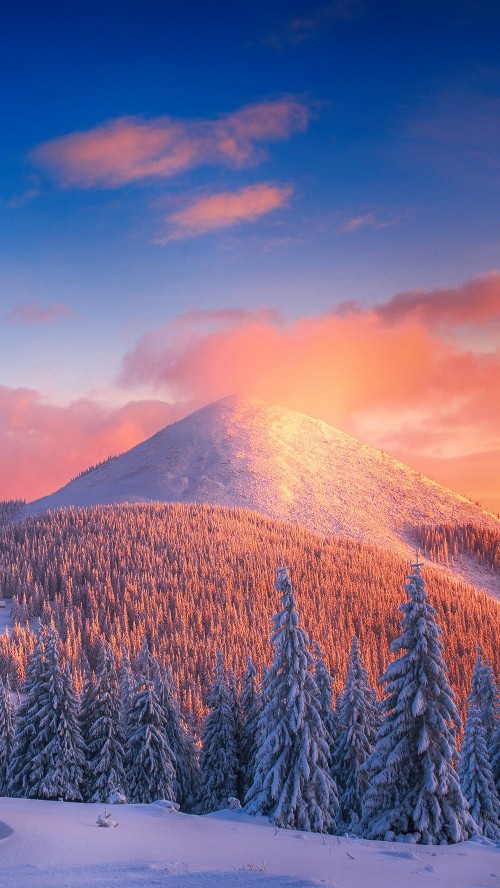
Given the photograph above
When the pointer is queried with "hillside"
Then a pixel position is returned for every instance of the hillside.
(245, 453)
(58, 845)
(198, 578)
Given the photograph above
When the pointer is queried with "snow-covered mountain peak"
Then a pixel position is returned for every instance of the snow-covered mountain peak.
(246, 453)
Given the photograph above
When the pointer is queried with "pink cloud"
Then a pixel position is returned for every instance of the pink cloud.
(226, 209)
(396, 383)
(33, 313)
(42, 446)
(393, 379)
(130, 149)
(474, 303)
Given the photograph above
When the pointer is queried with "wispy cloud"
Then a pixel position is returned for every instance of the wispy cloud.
(33, 313)
(20, 200)
(131, 149)
(313, 21)
(367, 220)
(225, 210)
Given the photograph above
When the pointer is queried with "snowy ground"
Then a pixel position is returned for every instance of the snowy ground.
(58, 845)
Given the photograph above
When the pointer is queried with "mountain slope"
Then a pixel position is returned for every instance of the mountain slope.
(243, 452)
(199, 578)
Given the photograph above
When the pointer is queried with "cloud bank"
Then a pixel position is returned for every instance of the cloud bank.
(42, 446)
(398, 375)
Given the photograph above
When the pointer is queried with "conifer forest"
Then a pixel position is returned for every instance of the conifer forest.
(218, 658)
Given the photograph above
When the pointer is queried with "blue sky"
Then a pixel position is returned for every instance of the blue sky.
(388, 182)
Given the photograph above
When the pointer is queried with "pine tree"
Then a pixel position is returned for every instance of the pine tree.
(48, 755)
(219, 752)
(6, 734)
(234, 702)
(125, 690)
(484, 696)
(494, 755)
(476, 778)
(87, 717)
(324, 684)
(250, 707)
(105, 743)
(178, 740)
(27, 726)
(358, 717)
(414, 787)
(292, 785)
(150, 766)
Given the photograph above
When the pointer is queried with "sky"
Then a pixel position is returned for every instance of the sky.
(296, 201)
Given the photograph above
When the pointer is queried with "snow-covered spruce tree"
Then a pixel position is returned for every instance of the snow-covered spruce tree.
(484, 696)
(125, 689)
(149, 760)
(292, 784)
(48, 756)
(88, 715)
(358, 717)
(494, 754)
(476, 778)
(234, 701)
(414, 789)
(6, 734)
(105, 742)
(249, 706)
(324, 684)
(178, 739)
(27, 724)
(219, 752)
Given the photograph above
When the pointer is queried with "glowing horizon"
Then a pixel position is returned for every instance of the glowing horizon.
(200, 202)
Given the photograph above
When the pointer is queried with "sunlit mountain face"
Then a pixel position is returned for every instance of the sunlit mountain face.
(246, 453)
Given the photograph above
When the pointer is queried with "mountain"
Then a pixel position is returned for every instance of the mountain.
(243, 452)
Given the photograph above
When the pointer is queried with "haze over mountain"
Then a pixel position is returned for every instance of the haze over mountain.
(244, 452)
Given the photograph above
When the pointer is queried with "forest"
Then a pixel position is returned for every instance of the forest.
(195, 579)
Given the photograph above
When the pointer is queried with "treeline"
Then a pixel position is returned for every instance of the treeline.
(193, 579)
(92, 468)
(445, 543)
(8, 509)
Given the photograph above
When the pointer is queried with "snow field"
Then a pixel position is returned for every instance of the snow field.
(58, 845)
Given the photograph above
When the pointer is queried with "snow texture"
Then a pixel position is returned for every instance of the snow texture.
(243, 452)
(58, 845)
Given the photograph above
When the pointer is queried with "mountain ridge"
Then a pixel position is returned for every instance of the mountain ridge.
(246, 453)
